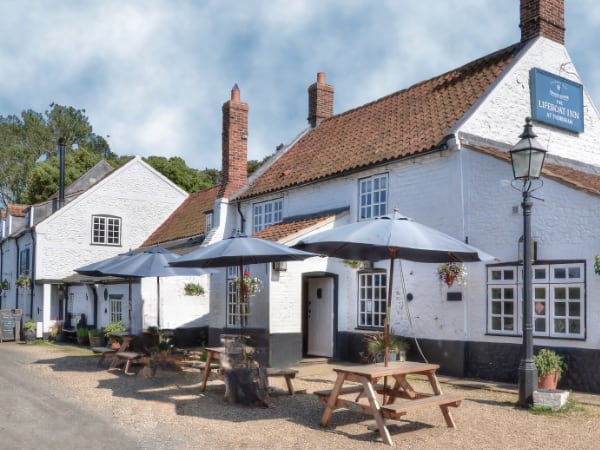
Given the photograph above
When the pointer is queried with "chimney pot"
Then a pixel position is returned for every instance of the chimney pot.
(321, 78)
(235, 93)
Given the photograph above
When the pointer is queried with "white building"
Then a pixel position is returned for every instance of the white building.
(105, 212)
(438, 152)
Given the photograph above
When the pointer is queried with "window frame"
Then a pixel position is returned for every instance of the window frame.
(371, 316)
(551, 308)
(266, 214)
(208, 221)
(234, 316)
(370, 203)
(106, 240)
(115, 302)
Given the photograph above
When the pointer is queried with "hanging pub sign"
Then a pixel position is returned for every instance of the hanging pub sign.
(556, 101)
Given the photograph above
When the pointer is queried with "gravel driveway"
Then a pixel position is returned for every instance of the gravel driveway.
(169, 412)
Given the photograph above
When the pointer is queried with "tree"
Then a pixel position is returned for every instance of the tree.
(176, 170)
(25, 138)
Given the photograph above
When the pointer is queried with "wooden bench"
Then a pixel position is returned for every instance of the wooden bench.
(288, 374)
(104, 353)
(397, 410)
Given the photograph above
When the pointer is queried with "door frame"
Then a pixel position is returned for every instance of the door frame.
(305, 277)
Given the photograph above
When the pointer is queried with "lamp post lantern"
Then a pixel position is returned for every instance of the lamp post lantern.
(527, 158)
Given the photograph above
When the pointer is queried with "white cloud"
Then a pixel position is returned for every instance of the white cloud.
(153, 74)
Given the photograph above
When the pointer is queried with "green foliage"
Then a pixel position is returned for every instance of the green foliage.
(175, 169)
(24, 138)
(29, 325)
(547, 361)
(82, 332)
(114, 327)
(376, 344)
(94, 332)
(193, 289)
(597, 265)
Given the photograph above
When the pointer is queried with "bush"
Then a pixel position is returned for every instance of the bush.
(548, 361)
(30, 325)
(114, 327)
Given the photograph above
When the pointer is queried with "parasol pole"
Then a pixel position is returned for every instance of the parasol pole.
(158, 302)
(386, 330)
(242, 292)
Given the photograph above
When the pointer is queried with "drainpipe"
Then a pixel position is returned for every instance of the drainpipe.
(17, 273)
(1, 268)
(61, 182)
(32, 275)
(243, 219)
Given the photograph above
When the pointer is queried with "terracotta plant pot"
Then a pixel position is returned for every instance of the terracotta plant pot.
(549, 381)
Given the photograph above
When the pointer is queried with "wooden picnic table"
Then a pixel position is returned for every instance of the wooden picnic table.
(361, 384)
(216, 353)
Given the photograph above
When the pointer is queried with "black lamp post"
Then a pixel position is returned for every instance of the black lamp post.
(527, 159)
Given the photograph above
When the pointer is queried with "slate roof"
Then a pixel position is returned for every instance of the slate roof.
(186, 221)
(406, 123)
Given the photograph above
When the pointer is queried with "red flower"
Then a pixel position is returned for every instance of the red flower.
(246, 274)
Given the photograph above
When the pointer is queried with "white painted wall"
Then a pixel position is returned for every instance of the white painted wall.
(136, 193)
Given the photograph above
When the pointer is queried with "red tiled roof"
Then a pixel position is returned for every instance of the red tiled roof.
(17, 210)
(187, 220)
(290, 226)
(578, 179)
(405, 123)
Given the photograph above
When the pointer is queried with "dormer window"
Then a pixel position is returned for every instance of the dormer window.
(106, 230)
(208, 222)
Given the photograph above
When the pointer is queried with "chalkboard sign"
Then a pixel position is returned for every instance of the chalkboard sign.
(10, 324)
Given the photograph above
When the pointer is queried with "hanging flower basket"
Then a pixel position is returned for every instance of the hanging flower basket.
(248, 286)
(451, 272)
(23, 281)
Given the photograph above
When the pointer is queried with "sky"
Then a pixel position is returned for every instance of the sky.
(152, 75)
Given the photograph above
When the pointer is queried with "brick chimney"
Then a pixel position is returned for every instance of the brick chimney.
(320, 101)
(234, 144)
(543, 18)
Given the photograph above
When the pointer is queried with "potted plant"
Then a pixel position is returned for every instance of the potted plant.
(56, 331)
(29, 331)
(193, 289)
(376, 347)
(550, 367)
(114, 327)
(83, 337)
(96, 337)
(450, 272)
(4, 285)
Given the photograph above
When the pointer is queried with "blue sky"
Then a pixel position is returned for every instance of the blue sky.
(152, 75)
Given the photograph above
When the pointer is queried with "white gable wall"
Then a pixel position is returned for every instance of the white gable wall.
(501, 115)
(136, 193)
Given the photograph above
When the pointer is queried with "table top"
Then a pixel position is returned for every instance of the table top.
(215, 349)
(393, 368)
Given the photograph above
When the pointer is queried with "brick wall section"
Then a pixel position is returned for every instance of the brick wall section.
(234, 144)
(543, 18)
(320, 100)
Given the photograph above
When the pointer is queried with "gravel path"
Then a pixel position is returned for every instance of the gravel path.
(168, 412)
